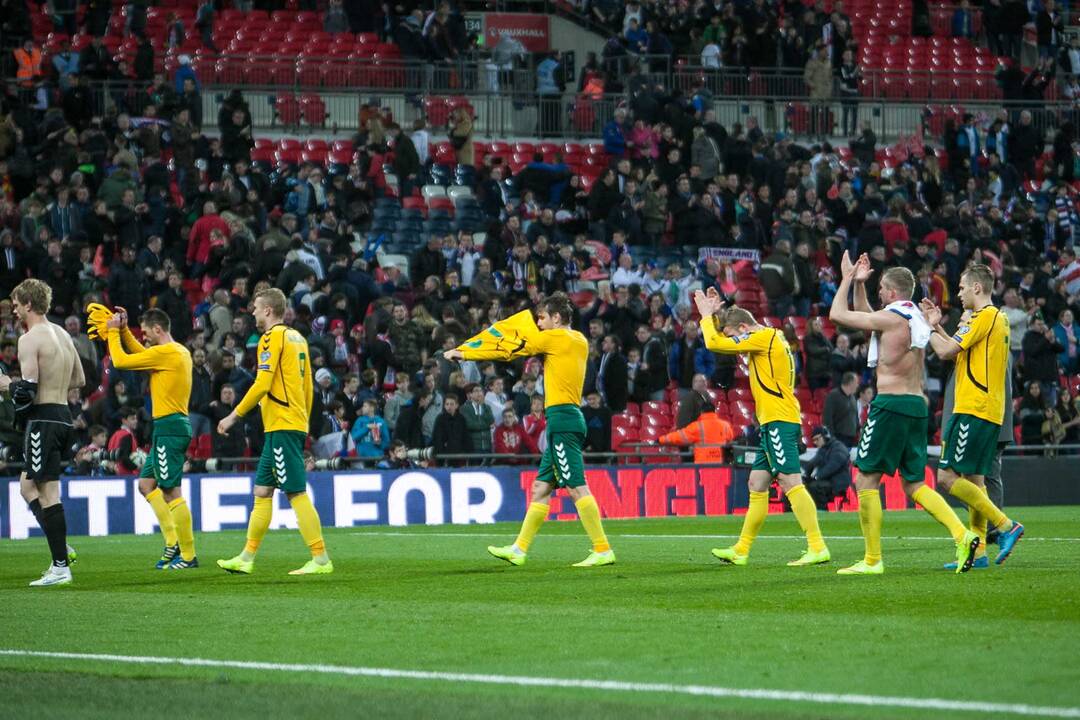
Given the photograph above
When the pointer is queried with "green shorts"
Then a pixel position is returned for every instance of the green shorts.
(281, 464)
(894, 437)
(779, 448)
(168, 450)
(562, 464)
(968, 445)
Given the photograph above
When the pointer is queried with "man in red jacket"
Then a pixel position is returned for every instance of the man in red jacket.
(198, 250)
(511, 439)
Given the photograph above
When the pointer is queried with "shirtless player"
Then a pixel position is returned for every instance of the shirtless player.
(894, 437)
(49, 367)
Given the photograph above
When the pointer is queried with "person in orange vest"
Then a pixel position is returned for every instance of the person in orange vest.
(28, 63)
(707, 434)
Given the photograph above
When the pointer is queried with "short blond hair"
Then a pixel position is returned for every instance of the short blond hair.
(979, 273)
(736, 315)
(901, 280)
(34, 293)
(274, 299)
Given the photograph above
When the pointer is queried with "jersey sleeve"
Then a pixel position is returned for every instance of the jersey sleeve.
(718, 342)
(271, 346)
(151, 358)
(128, 339)
(981, 325)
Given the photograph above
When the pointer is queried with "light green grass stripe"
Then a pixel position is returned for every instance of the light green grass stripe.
(793, 696)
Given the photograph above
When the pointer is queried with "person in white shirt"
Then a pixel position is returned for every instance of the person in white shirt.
(1070, 275)
(625, 274)
(421, 138)
(710, 57)
(496, 397)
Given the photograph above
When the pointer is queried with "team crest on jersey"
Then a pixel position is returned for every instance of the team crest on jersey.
(264, 357)
(739, 338)
(963, 330)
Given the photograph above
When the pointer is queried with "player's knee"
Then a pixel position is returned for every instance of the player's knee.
(866, 482)
(146, 486)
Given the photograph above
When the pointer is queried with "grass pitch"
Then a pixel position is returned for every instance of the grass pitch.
(431, 599)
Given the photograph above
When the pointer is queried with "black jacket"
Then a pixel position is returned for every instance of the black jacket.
(613, 380)
(451, 435)
(1040, 357)
(840, 414)
(833, 464)
(174, 303)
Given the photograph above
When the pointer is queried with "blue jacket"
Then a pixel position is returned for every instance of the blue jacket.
(961, 24)
(184, 72)
(361, 435)
(614, 139)
(545, 77)
(704, 360)
(1063, 358)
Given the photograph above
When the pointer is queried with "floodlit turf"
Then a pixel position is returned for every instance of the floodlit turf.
(431, 599)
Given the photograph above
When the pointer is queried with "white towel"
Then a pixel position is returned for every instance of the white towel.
(920, 329)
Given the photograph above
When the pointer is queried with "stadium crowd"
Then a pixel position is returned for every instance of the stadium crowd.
(151, 205)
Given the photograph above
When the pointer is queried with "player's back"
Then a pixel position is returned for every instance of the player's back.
(566, 355)
(55, 360)
(772, 376)
(287, 405)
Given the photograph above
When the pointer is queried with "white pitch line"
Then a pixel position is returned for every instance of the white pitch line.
(792, 696)
(942, 539)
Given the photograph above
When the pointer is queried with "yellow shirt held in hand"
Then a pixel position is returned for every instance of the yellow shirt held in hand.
(565, 354)
(772, 369)
(283, 386)
(982, 365)
(169, 366)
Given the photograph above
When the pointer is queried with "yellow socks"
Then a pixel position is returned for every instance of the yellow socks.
(161, 509)
(181, 516)
(258, 524)
(755, 516)
(940, 510)
(534, 518)
(977, 522)
(589, 512)
(307, 518)
(870, 522)
(969, 493)
(806, 513)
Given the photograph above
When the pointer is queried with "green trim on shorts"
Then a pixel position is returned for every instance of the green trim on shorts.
(779, 448)
(969, 445)
(281, 464)
(168, 450)
(562, 463)
(894, 437)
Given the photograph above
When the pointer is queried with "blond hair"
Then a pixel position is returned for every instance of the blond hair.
(735, 315)
(979, 273)
(273, 299)
(34, 293)
(901, 280)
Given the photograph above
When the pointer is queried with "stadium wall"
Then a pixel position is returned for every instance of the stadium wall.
(112, 505)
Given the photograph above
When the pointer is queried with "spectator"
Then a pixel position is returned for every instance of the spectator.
(185, 72)
(1049, 29)
(126, 283)
(461, 135)
(478, 419)
(779, 280)
(843, 359)
(840, 414)
(1033, 412)
(963, 24)
(611, 378)
(706, 432)
(202, 394)
(829, 469)
(818, 352)
(689, 357)
(597, 424)
(850, 77)
(511, 439)
(204, 23)
(407, 340)
(1041, 350)
(496, 397)
(451, 434)
(335, 21)
(1067, 332)
(615, 142)
(818, 76)
(370, 432)
(126, 443)
(401, 397)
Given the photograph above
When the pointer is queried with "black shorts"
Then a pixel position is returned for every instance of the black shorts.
(47, 442)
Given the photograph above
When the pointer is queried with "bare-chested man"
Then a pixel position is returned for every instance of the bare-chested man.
(50, 367)
(894, 437)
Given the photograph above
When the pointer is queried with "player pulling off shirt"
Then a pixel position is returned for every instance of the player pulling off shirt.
(283, 390)
(565, 354)
(169, 365)
(772, 383)
(969, 440)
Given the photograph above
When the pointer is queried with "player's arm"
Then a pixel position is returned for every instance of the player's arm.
(268, 365)
(78, 376)
(309, 384)
(862, 302)
(842, 314)
(28, 357)
(130, 343)
(148, 358)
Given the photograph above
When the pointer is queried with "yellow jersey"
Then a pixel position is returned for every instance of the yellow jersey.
(169, 366)
(283, 384)
(565, 352)
(772, 369)
(982, 365)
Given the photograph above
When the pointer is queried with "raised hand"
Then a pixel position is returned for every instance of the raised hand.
(931, 311)
(715, 297)
(863, 271)
(705, 305)
(847, 267)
